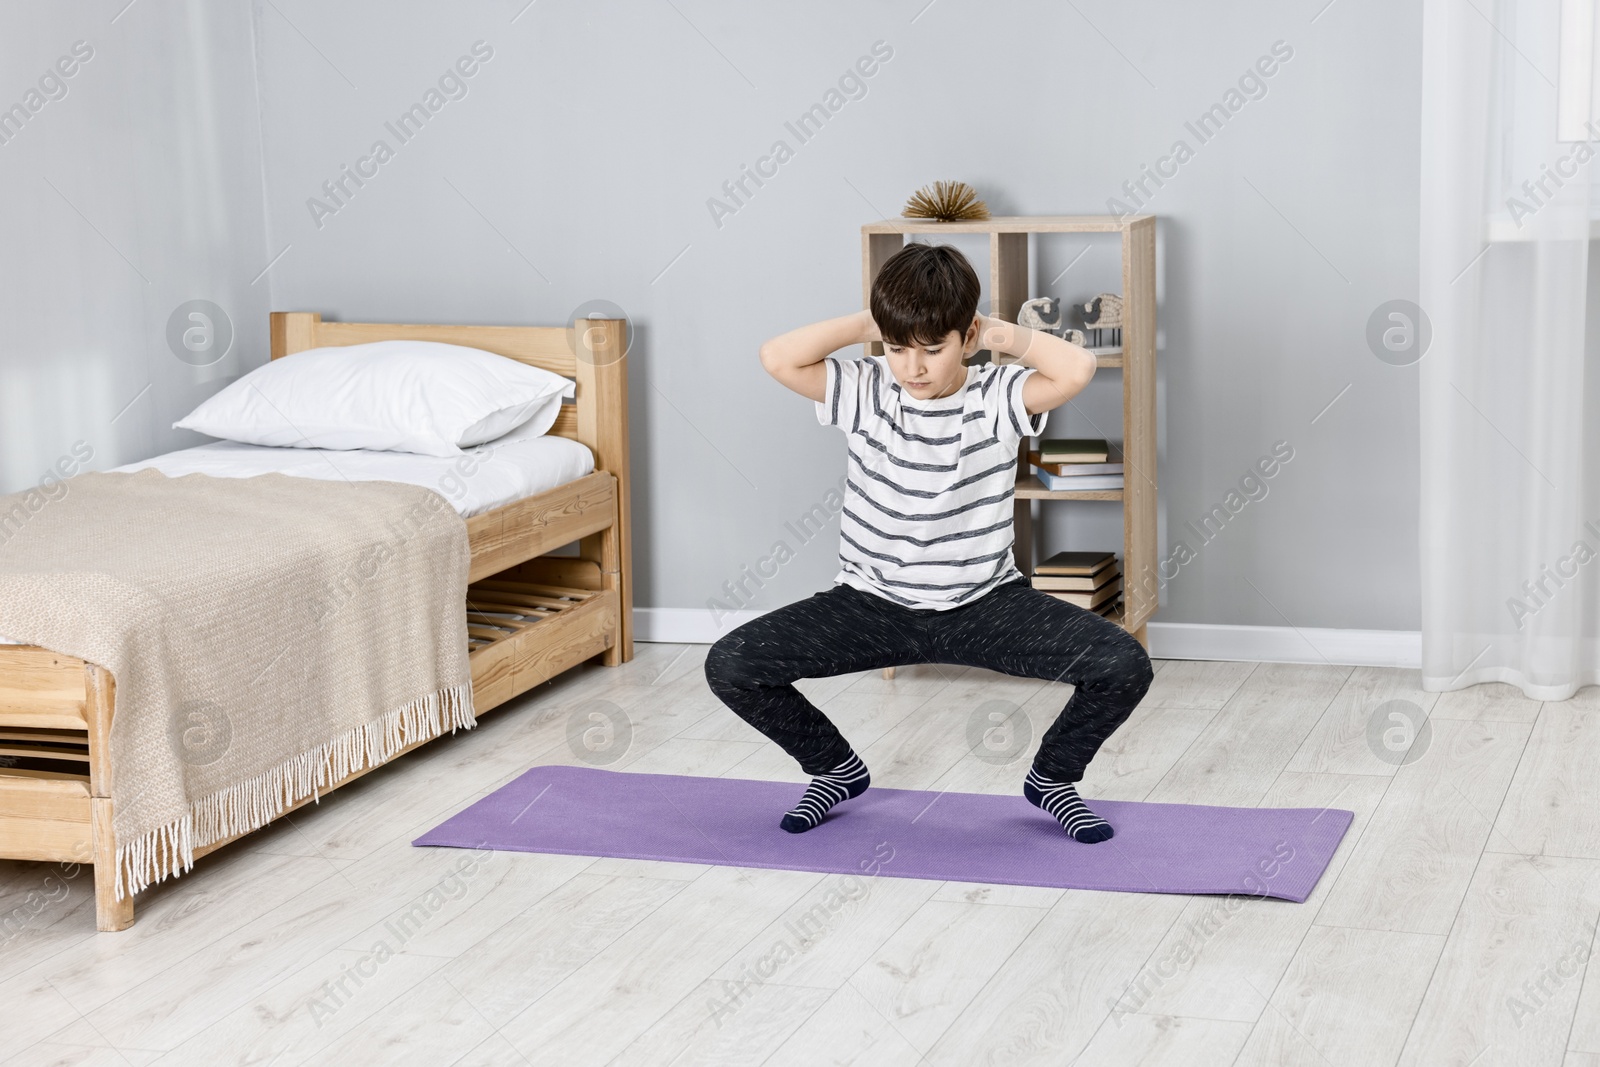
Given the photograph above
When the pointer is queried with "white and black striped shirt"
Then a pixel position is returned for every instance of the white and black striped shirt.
(927, 509)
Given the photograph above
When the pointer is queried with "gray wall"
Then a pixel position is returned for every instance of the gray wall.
(135, 190)
(579, 164)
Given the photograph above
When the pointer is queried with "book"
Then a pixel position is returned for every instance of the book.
(1074, 450)
(1077, 482)
(1110, 609)
(1076, 583)
(1099, 596)
(1076, 469)
(1079, 563)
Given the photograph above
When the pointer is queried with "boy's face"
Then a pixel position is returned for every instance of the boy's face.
(930, 371)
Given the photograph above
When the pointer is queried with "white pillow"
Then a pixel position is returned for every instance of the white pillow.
(386, 396)
(537, 425)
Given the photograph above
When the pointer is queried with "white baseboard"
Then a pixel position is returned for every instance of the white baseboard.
(689, 626)
(1286, 644)
(1168, 640)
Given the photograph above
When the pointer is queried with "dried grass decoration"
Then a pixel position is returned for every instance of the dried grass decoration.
(946, 202)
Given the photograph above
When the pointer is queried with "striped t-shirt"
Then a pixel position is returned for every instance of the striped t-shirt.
(927, 507)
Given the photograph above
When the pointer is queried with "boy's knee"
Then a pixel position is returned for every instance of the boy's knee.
(726, 664)
(1126, 666)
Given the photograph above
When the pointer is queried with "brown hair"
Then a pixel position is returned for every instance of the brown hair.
(922, 293)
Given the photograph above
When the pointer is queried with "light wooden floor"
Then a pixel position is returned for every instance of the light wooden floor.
(1453, 927)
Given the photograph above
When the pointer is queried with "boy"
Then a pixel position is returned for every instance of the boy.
(926, 568)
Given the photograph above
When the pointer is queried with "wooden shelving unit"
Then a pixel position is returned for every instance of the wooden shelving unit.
(1008, 290)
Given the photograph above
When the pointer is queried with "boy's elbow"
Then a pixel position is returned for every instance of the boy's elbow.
(770, 358)
(1077, 379)
(1057, 392)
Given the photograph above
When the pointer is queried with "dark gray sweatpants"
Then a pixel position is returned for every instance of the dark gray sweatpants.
(1014, 629)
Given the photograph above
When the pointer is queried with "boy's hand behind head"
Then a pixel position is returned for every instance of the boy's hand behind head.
(986, 333)
(869, 327)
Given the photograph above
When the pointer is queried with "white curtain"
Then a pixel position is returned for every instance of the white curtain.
(1510, 409)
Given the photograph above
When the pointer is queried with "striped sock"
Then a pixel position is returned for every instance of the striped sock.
(1061, 799)
(848, 779)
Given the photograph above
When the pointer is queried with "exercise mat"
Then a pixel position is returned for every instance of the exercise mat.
(906, 833)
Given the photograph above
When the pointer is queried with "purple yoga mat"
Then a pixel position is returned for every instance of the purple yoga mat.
(906, 833)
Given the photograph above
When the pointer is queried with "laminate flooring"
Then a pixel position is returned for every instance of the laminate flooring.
(1454, 926)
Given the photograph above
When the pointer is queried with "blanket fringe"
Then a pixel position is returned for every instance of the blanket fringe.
(169, 850)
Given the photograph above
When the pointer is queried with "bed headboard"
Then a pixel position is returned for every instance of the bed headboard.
(598, 415)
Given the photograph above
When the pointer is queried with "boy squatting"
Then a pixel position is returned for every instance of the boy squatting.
(926, 572)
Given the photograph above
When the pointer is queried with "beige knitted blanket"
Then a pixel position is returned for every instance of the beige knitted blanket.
(268, 636)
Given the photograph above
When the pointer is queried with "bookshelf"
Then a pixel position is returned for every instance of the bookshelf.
(1009, 237)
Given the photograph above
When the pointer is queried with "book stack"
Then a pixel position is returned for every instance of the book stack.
(1090, 580)
(1077, 463)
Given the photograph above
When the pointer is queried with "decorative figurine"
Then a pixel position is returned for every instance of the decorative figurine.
(1044, 313)
(1041, 313)
(1104, 312)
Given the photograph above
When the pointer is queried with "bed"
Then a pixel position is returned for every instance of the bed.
(531, 614)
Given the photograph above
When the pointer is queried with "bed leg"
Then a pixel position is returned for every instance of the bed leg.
(100, 703)
(621, 650)
(110, 914)
(607, 550)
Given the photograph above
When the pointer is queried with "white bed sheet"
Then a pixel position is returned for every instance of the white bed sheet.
(484, 478)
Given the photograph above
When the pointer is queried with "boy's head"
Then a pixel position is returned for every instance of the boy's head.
(925, 302)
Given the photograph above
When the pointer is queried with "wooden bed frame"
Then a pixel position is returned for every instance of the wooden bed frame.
(57, 710)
